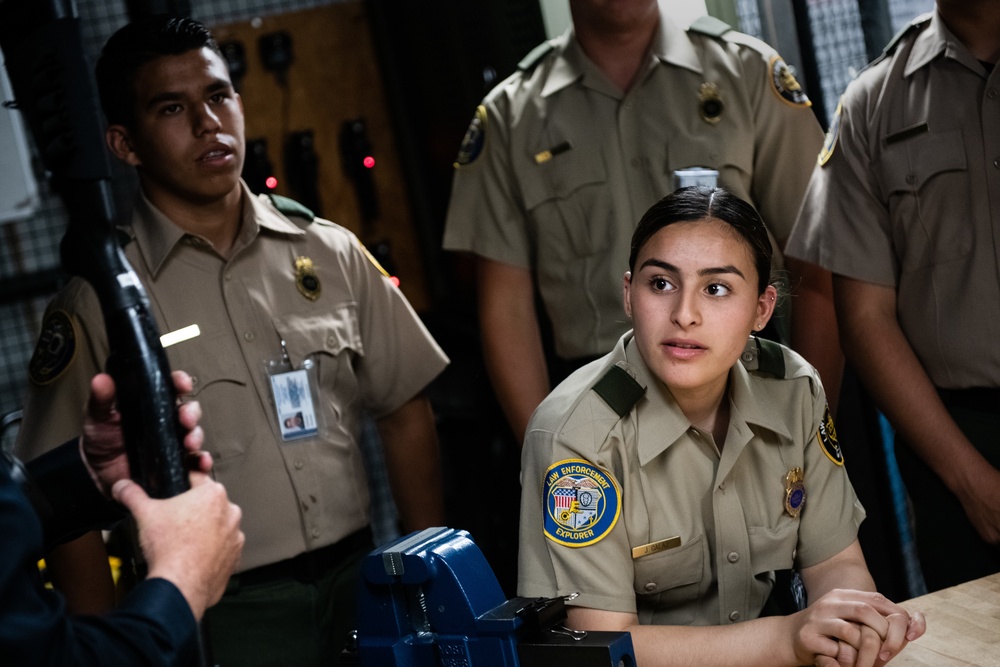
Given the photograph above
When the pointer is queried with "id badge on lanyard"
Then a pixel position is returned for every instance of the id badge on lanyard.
(293, 391)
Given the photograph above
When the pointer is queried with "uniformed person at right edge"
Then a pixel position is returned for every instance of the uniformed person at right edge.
(667, 481)
(904, 209)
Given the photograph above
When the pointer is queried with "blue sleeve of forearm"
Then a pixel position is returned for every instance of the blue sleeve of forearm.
(153, 625)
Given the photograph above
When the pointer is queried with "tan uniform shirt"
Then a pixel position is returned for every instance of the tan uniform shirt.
(910, 198)
(370, 349)
(570, 218)
(728, 511)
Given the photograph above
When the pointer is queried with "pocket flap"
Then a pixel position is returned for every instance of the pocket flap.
(314, 333)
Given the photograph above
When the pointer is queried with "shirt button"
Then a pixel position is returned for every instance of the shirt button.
(331, 340)
(996, 163)
(733, 557)
(735, 616)
(298, 465)
(194, 380)
(248, 335)
(911, 178)
(315, 533)
(650, 587)
(722, 486)
(992, 94)
(229, 275)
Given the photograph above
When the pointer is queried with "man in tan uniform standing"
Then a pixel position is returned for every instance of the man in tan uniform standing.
(904, 209)
(565, 155)
(289, 331)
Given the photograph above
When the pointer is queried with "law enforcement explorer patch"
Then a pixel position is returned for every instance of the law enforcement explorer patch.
(785, 86)
(475, 138)
(55, 349)
(582, 503)
(827, 436)
(831, 136)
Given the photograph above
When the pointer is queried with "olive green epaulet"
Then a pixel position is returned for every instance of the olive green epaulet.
(619, 390)
(536, 54)
(711, 26)
(291, 207)
(915, 23)
(771, 360)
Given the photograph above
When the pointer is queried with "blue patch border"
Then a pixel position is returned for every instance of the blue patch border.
(609, 504)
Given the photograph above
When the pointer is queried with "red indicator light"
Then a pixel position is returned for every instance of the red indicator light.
(395, 280)
(271, 182)
(369, 162)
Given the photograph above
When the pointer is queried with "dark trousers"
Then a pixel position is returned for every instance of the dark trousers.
(297, 612)
(949, 547)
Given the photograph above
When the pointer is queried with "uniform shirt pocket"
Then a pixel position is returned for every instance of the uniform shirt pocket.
(332, 340)
(732, 158)
(672, 580)
(926, 179)
(563, 196)
(222, 387)
(773, 548)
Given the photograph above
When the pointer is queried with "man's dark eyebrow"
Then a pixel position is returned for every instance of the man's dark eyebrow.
(715, 270)
(172, 95)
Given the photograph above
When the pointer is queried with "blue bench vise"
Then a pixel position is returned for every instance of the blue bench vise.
(430, 598)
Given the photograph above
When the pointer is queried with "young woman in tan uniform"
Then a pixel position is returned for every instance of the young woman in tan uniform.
(667, 481)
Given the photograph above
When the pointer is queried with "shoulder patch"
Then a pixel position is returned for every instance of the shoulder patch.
(582, 503)
(474, 140)
(709, 25)
(55, 349)
(830, 142)
(536, 54)
(291, 207)
(619, 390)
(826, 435)
(784, 84)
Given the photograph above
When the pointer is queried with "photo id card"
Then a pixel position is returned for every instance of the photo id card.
(294, 405)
